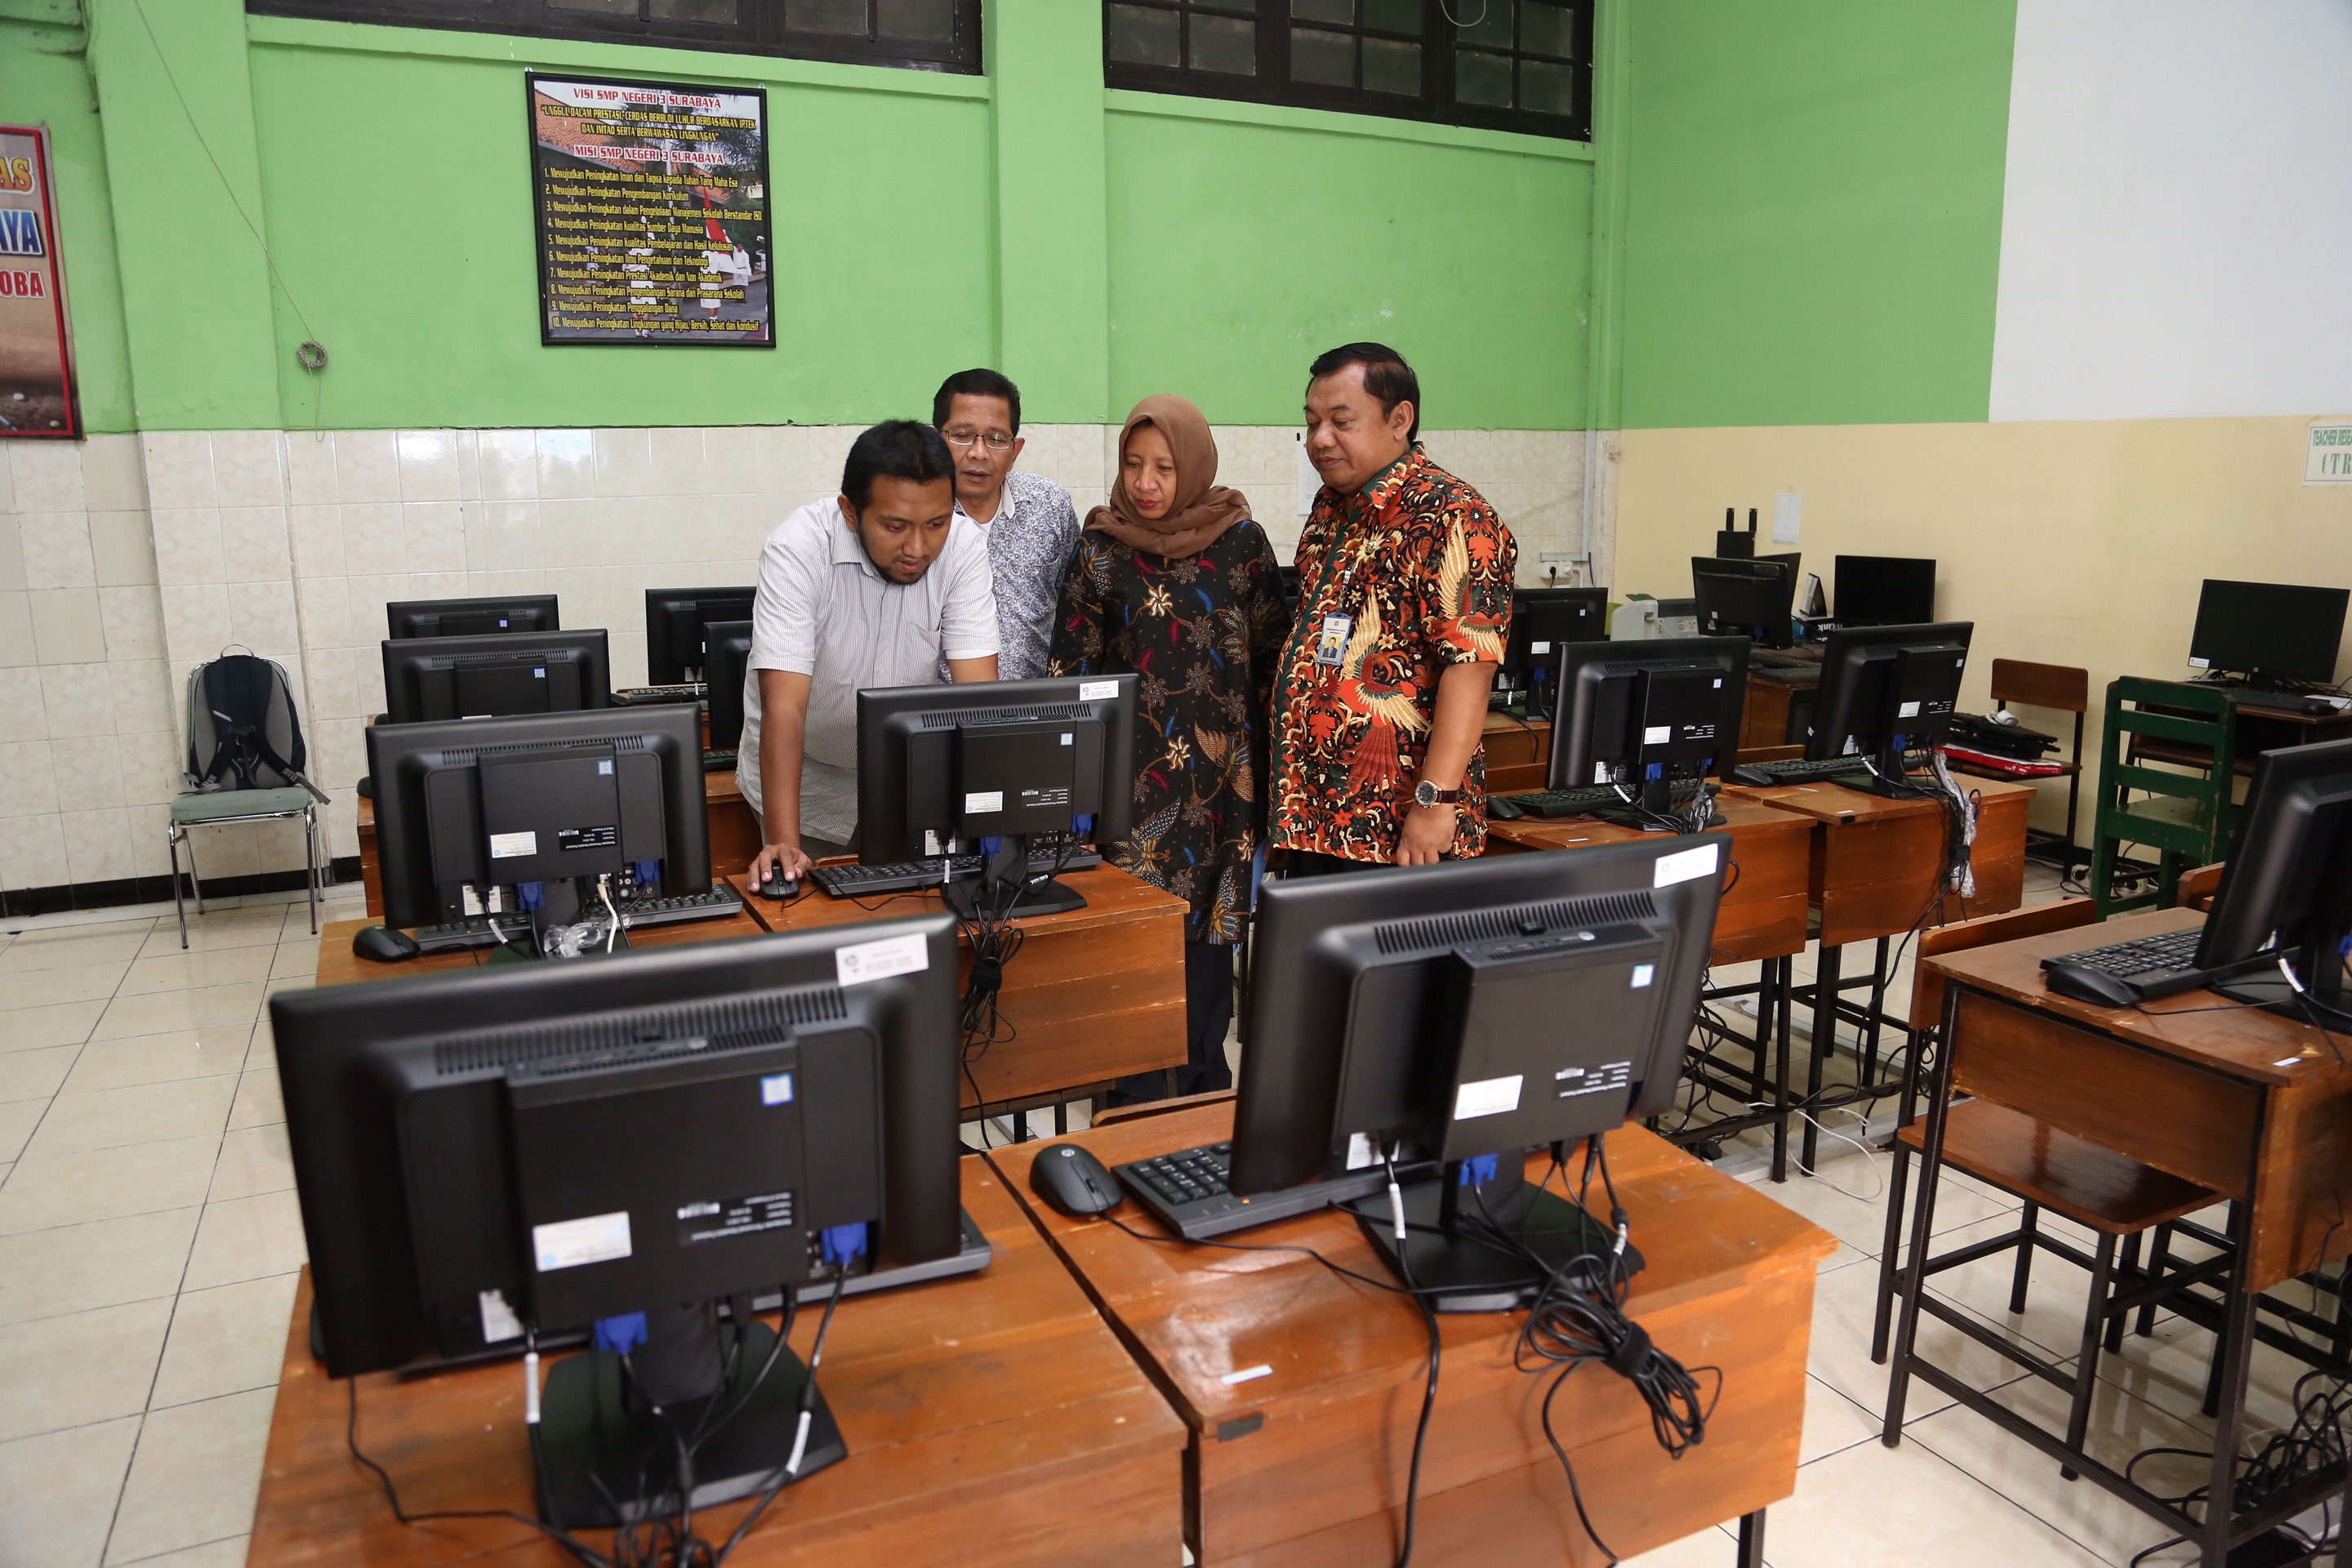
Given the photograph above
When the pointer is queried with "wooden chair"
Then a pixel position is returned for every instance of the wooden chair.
(2110, 1194)
(2191, 816)
(2197, 888)
(2068, 691)
(1118, 1113)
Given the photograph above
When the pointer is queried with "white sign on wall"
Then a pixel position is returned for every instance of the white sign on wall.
(2328, 459)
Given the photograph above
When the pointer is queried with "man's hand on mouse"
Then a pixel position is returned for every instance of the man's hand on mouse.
(787, 859)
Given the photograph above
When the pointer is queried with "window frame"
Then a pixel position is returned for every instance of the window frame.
(760, 32)
(1436, 105)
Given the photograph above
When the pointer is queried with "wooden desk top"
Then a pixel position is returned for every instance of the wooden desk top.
(339, 965)
(1743, 817)
(1113, 896)
(990, 1418)
(1197, 1314)
(1839, 806)
(2196, 1026)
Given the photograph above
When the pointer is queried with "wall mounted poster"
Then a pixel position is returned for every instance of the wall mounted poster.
(36, 378)
(652, 203)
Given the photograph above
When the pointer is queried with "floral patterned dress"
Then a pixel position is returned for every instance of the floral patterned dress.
(1204, 633)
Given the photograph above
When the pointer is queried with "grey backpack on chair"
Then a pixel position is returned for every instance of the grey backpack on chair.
(243, 731)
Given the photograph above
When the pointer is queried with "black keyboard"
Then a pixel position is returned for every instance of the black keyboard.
(1187, 1191)
(717, 903)
(1590, 798)
(1799, 770)
(719, 762)
(653, 696)
(909, 876)
(2147, 968)
(473, 931)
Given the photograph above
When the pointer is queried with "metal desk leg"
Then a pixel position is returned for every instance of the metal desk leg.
(1787, 991)
(1931, 1166)
(2237, 1353)
(1879, 978)
(1752, 1540)
(1824, 1021)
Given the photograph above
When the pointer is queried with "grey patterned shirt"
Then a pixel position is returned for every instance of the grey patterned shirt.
(1030, 541)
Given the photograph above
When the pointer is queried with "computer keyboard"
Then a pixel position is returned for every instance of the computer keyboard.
(1188, 1193)
(719, 762)
(909, 876)
(2141, 969)
(1801, 770)
(653, 696)
(473, 931)
(719, 903)
(1589, 798)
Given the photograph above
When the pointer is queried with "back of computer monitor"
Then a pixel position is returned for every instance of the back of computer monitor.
(484, 617)
(676, 622)
(1859, 707)
(1596, 725)
(729, 652)
(2269, 631)
(1744, 598)
(1543, 620)
(2289, 878)
(432, 678)
(1884, 590)
(911, 743)
(433, 837)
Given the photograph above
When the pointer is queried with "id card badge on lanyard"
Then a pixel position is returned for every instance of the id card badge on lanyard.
(1331, 644)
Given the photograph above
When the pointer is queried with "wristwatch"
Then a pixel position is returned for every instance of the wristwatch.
(1427, 793)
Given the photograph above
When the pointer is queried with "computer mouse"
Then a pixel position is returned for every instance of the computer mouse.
(1755, 777)
(2095, 986)
(384, 944)
(1074, 1181)
(1503, 808)
(780, 889)
(366, 787)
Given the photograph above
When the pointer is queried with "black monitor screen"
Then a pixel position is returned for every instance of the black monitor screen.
(677, 622)
(729, 652)
(2276, 631)
(1884, 591)
(432, 678)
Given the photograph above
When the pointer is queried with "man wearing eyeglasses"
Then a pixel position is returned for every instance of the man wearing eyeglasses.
(1031, 528)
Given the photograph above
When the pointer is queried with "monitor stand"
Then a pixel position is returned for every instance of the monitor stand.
(1885, 779)
(1459, 1270)
(606, 1459)
(2266, 988)
(990, 892)
(562, 903)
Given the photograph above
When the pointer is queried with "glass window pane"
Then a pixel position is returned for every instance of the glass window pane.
(930, 21)
(1391, 66)
(1226, 44)
(1547, 89)
(1143, 37)
(1546, 29)
(1340, 11)
(596, 7)
(1328, 58)
(1393, 16)
(1484, 22)
(826, 16)
(1482, 79)
(718, 11)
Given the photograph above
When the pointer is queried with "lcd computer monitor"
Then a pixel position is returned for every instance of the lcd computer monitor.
(1544, 622)
(2287, 888)
(2269, 632)
(1451, 1012)
(1641, 715)
(729, 652)
(990, 767)
(677, 623)
(1886, 692)
(1744, 598)
(1884, 591)
(471, 617)
(487, 1158)
(428, 678)
(524, 815)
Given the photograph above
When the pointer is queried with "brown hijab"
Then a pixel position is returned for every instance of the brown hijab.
(1204, 509)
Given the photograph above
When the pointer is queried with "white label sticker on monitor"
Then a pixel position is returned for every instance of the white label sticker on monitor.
(978, 804)
(1600, 772)
(1538, 647)
(880, 960)
(507, 845)
(568, 1244)
(2200, 663)
(1098, 691)
(498, 1319)
(1908, 711)
(1685, 866)
(1361, 1152)
(1657, 734)
(1488, 1097)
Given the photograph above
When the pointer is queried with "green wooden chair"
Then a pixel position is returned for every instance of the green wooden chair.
(2190, 817)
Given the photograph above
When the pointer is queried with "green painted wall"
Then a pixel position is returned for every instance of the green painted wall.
(1241, 247)
(1812, 231)
(44, 80)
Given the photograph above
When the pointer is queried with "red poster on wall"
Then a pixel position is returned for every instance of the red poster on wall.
(36, 378)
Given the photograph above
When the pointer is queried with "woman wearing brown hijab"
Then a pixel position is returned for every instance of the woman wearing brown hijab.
(1174, 580)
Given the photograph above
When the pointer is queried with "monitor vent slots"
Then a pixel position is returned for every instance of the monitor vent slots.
(1040, 713)
(721, 1026)
(1491, 926)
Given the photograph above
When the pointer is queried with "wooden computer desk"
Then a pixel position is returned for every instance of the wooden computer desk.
(339, 965)
(2255, 1106)
(734, 835)
(1093, 996)
(991, 1418)
(2260, 727)
(1306, 1464)
(1518, 753)
(1762, 918)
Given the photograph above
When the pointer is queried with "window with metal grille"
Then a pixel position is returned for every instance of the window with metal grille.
(921, 35)
(1508, 65)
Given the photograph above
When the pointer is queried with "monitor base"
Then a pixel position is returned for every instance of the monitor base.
(1042, 897)
(604, 1464)
(1457, 1272)
(2270, 993)
(1881, 786)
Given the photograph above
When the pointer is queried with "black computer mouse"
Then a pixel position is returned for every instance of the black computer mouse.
(384, 944)
(366, 787)
(780, 889)
(1074, 1181)
(2095, 986)
(1503, 808)
(1754, 777)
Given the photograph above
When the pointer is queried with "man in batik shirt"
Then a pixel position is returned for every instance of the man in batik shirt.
(1405, 578)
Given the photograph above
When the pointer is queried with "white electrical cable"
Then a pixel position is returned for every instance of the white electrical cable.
(612, 931)
(531, 1387)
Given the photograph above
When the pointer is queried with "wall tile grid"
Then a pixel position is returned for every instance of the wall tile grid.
(126, 561)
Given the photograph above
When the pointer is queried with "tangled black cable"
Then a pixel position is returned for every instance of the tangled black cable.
(2309, 1446)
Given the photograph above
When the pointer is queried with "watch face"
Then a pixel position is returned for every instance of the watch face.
(1425, 793)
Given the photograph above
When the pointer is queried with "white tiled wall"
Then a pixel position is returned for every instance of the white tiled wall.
(126, 561)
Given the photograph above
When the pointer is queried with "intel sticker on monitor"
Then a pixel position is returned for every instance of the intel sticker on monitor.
(776, 1089)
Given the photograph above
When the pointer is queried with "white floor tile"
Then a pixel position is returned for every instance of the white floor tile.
(247, 1239)
(34, 1075)
(106, 1183)
(226, 1340)
(161, 1011)
(1907, 1508)
(156, 1058)
(194, 1476)
(57, 1372)
(64, 1024)
(57, 1492)
(253, 1161)
(74, 1267)
(146, 1113)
